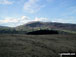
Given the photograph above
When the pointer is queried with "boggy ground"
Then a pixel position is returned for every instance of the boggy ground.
(20, 45)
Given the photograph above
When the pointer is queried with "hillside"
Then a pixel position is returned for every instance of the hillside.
(61, 27)
(50, 25)
(33, 26)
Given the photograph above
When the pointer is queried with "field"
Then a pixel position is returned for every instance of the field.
(21, 45)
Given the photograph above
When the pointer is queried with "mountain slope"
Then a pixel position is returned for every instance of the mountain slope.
(33, 26)
(50, 25)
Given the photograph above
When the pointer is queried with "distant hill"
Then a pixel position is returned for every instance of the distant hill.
(49, 25)
(33, 26)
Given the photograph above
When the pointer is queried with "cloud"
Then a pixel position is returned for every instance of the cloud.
(12, 22)
(32, 6)
(5, 2)
(15, 21)
(65, 20)
(25, 17)
(8, 20)
(40, 19)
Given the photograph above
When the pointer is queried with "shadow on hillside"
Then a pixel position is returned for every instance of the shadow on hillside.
(43, 32)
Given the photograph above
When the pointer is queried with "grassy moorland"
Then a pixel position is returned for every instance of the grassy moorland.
(17, 45)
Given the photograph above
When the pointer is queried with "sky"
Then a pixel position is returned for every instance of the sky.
(18, 12)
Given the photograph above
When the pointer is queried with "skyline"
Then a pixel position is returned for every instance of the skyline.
(17, 12)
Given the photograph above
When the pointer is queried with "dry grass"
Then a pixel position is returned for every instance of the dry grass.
(16, 45)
